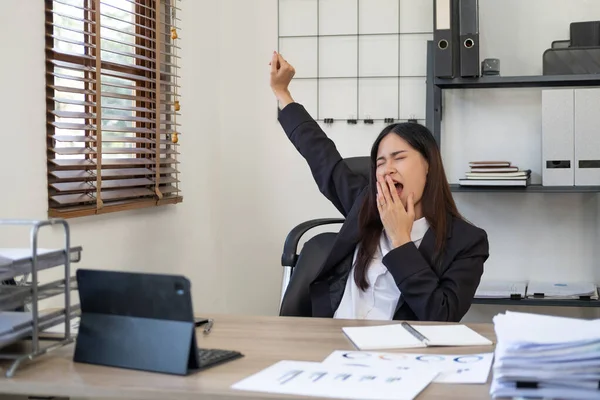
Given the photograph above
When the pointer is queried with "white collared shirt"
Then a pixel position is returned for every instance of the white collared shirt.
(379, 301)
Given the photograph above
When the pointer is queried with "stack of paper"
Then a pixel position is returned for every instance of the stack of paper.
(495, 173)
(544, 356)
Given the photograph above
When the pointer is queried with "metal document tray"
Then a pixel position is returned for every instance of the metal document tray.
(10, 268)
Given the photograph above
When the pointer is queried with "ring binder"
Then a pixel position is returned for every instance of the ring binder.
(445, 54)
(469, 38)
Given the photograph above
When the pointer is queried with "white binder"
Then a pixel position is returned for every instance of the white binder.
(558, 147)
(587, 137)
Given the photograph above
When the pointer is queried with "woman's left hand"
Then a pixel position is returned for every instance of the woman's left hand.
(397, 218)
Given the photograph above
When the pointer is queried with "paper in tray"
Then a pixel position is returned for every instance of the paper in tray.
(22, 326)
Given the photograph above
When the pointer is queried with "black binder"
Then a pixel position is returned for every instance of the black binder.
(585, 34)
(136, 321)
(469, 38)
(445, 38)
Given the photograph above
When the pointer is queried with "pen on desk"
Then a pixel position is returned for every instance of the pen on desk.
(414, 332)
(208, 326)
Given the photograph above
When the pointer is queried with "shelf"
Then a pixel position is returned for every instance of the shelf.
(531, 81)
(539, 302)
(16, 262)
(529, 189)
(363, 77)
(45, 321)
(353, 35)
(13, 297)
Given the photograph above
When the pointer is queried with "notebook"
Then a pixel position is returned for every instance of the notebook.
(404, 335)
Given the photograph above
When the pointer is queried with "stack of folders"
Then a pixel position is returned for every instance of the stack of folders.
(562, 290)
(503, 289)
(539, 356)
(500, 289)
(495, 173)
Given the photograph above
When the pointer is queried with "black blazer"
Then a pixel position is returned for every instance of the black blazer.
(427, 293)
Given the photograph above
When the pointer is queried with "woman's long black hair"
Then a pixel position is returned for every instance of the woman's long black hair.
(437, 202)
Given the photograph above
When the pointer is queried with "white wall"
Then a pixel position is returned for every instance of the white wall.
(172, 239)
(245, 186)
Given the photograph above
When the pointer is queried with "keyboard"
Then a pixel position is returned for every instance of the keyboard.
(211, 357)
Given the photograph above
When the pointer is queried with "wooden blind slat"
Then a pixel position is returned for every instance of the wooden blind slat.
(71, 41)
(134, 45)
(141, 15)
(129, 22)
(70, 65)
(107, 173)
(129, 87)
(128, 130)
(125, 139)
(127, 150)
(84, 115)
(105, 150)
(91, 46)
(66, 28)
(89, 163)
(72, 77)
(105, 106)
(169, 189)
(127, 54)
(72, 114)
(107, 195)
(73, 126)
(74, 138)
(69, 5)
(149, 8)
(86, 186)
(72, 150)
(87, 21)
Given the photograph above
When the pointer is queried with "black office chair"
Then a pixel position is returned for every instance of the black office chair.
(300, 269)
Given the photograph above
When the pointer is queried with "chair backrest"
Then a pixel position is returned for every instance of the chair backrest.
(296, 299)
(359, 165)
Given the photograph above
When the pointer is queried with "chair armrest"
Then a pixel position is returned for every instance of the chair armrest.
(289, 256)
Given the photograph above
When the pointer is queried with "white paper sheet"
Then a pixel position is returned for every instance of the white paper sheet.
(315, 379)
(18, 254)
(537, 329)
(458, 368)
(452, 335)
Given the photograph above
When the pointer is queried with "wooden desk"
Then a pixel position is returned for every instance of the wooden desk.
(263, 340)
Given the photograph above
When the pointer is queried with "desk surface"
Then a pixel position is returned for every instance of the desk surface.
(263, 340)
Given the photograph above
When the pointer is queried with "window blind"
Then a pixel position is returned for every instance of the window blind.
(112, 105)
